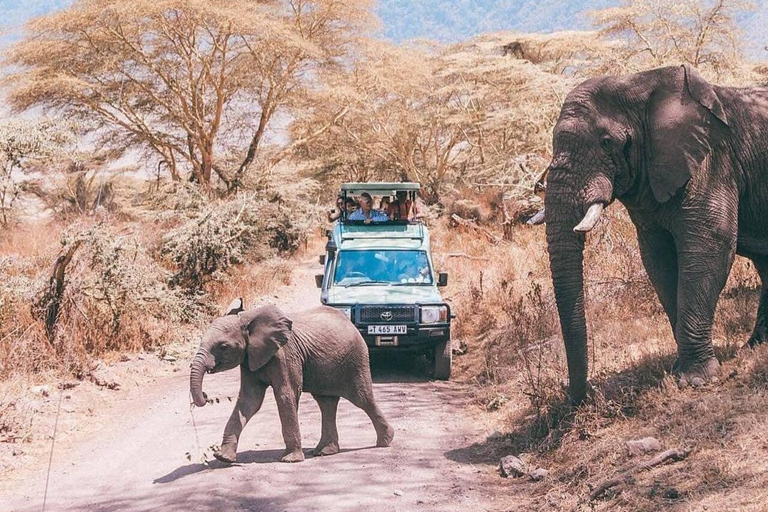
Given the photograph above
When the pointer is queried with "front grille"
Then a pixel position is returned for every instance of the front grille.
(373, 314)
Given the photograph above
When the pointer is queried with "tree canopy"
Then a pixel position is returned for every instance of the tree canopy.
(193, 82)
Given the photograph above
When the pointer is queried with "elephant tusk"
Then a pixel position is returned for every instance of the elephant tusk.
(590, 219)
(537, 219)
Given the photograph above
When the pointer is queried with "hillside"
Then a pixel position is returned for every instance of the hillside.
(454, 20)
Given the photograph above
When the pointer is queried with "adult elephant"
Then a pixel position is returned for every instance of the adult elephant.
(689, 160)
(318, 351)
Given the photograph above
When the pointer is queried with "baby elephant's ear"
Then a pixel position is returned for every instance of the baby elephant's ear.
(268, 330)
(235, 307)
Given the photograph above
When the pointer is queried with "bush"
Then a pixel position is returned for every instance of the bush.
(231, 232)
(108, 295)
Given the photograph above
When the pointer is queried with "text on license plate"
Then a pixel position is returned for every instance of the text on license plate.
(387, 329)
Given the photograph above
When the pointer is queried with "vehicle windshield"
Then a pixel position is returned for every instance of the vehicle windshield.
(388, 267)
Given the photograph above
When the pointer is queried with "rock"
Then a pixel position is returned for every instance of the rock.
(104, 378)
(538, 474)
(41, 390)
(511, 466)
(644, 445)
(459, 347)
(169, 357)
(398, 493)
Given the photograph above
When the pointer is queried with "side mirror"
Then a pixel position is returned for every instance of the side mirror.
(321, 259)
(319, 280)
(442, 279)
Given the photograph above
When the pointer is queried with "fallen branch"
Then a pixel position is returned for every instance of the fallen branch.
(608, 484)
(674, 454)
(464, 255)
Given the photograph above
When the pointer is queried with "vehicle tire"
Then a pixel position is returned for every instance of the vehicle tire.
(443, 357)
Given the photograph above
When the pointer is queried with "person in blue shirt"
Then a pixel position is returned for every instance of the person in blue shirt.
(366, 213)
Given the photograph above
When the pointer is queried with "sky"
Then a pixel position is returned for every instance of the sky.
(448, 20)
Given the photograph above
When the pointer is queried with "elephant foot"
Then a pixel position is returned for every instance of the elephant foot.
(226, 454)
(386, 439)
(697, 375)
(326, 449)
(295, 455)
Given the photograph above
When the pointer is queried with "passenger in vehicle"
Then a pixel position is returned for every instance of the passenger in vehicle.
(366, 213)
(403, 208)
(342, 204)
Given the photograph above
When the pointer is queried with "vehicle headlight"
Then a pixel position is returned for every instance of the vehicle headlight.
(434, 314)
(347, 310)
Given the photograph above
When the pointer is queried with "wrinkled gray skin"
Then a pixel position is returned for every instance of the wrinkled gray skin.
(689, 160)
(318, 351)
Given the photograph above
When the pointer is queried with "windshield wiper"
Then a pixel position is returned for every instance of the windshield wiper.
(366, 283)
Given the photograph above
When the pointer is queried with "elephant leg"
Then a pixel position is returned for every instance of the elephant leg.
(760, 333)
(248, 403)
(702, 276)
(384, 432)
(329, 438)
(657, 249)
(288, 410)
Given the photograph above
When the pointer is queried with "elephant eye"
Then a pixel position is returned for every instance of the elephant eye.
(606, 142)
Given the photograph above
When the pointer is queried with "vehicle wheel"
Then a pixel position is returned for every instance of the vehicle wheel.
(443, 356)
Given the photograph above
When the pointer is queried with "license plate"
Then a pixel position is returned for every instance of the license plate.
(387, 329)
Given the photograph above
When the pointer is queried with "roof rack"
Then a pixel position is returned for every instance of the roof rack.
(380, 188)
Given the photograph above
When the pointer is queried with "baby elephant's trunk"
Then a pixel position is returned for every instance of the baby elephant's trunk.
(197, 370)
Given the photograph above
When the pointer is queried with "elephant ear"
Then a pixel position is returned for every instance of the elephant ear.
(268, 329)
(686, 119)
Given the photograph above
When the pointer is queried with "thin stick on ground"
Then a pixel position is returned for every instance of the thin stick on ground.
(674, 454)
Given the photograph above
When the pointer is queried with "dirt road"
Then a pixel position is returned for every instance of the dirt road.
(149, 452)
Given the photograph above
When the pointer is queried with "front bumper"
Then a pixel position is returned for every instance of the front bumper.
(418, 335)
(417, 338)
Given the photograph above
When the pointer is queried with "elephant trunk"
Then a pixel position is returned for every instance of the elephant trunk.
(196, 372)
(566, 249)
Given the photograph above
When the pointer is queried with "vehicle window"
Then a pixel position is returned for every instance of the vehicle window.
(357, 268)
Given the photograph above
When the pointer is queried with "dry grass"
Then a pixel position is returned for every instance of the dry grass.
(507, 317)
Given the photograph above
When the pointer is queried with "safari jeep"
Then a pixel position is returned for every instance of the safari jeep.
(381, 275)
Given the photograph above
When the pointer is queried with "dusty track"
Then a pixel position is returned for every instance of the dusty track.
(147, 453)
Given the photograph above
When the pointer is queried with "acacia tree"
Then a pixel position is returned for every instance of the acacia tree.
(25, 144)
(194, 82)
(437, 115)
(655, 33)
(397, 120)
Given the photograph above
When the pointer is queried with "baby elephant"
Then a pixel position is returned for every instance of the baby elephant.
(318, 351)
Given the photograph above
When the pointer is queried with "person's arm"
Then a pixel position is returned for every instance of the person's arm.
(416, 211)
(334, 215)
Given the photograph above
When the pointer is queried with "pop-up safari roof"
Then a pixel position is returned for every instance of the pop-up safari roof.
(379, 189)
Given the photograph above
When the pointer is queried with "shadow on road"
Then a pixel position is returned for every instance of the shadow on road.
(389, 367)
